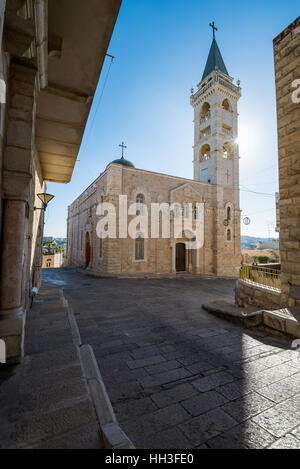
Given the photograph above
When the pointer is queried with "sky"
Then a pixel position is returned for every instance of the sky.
(143, 99)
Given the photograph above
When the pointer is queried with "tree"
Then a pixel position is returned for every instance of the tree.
(51, 245)
(263, 259)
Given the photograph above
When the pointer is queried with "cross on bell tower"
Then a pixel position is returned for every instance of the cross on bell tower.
(212, 25)
(123, 146)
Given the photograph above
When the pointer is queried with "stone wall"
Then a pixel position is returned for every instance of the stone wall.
(248, 294)
(218, 256)
(287, 70)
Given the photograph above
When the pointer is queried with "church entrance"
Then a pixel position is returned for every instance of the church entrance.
(87, 250)
(180, 257)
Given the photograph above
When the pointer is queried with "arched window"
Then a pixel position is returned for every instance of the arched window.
(176, 210)
(140, 201)
(228, 235)
(205, 153)
(139, 247)
(205, 109)
(228, 213)
(226, 105)
(205, 112)
(227, 150)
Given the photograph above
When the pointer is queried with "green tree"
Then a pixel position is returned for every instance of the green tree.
(263, 259)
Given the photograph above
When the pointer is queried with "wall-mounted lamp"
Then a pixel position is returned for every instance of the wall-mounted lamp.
(45, 199)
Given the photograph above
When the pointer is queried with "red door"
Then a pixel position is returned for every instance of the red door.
(87, 251)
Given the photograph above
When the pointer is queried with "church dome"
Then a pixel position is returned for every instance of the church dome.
(123, 162)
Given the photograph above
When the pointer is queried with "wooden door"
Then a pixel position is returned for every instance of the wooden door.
(180, 257)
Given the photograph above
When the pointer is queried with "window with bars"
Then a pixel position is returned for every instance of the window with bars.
(139, 247)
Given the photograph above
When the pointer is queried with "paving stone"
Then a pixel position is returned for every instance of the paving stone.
(248, 435)
(145, 362)
(279, 392)
(161, 367)
(208, 383)
(287, 442)
(87, 437)
(234, 390)
(163, 378)
(203, 367)
(247, 406)
(31, 431)
(200, 429)
(156, 421)
(296, 432)
(128, 390)
(171, 438)
(36, 402)
(173, 395)
(203, 402)
(134, 408)
(278, 420)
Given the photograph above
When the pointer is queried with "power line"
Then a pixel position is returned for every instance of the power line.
(255, 192)
(101, 96)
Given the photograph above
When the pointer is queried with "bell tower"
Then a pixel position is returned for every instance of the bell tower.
(216, 150)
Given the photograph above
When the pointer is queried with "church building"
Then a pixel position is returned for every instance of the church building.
(215, 184)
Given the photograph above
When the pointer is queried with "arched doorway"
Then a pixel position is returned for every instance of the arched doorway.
(180, 257)
(87, 250)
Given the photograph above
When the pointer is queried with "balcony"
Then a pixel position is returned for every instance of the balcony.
(205, 118)
(205, 133)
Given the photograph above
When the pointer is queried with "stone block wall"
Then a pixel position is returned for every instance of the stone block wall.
(247, 294)
(287, 71)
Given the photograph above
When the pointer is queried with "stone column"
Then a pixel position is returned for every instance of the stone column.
(12, 256)
(173, 247)
(11, 314)
(17, 197)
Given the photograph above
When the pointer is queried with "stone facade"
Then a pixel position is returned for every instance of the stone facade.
(52, 260)
(215, 184)
(287, 70)
(287, 77)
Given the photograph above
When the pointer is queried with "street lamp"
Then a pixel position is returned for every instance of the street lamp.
(45, 199)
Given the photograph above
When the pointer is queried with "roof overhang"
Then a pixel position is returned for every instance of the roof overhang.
(66, 41)
(79, 36)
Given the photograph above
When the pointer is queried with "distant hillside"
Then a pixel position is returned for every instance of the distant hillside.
(246, 241)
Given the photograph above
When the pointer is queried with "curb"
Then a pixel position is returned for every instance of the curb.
(184, 276)
(111, 434)
(271, 322)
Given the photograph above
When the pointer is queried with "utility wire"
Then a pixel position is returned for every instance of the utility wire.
(100, 97)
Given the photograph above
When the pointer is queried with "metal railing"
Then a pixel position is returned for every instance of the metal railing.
(269, 278)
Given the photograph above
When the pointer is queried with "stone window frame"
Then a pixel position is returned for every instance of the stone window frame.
(145, 249)
(228, 229)
(140, 190)
(227, 206)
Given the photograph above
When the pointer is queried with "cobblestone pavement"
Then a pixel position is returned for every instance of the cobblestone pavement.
(179, 377)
